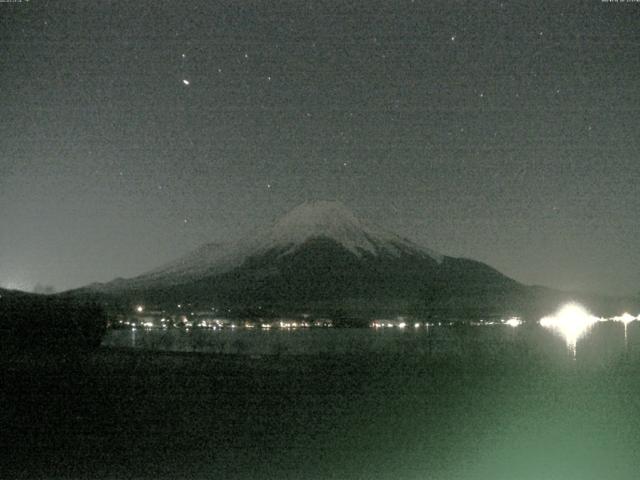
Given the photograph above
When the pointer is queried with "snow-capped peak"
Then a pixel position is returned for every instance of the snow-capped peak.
(330, 219)
(310, 220)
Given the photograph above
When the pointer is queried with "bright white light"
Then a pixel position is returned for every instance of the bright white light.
(186, 82)
(402, 325)
(139, 309)
(625, 318)
(513, 322)
(416, 325)
(572, 322)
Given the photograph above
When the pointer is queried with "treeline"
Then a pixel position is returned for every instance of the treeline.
(51, 323)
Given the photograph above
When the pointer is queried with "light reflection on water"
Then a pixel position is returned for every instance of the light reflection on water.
(571, 322)
(570, 334)
(528, 415)
(532, 417)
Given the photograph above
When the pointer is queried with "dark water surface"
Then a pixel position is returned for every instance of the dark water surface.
(456, 403)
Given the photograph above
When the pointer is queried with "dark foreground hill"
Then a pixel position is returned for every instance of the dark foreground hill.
(39, 322)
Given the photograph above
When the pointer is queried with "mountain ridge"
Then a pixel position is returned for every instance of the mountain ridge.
(322, 219)
(320, 258)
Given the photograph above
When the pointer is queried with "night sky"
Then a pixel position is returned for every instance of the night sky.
(134, 131)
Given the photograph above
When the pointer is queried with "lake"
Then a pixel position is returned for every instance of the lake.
(601, 343)
(490, 402)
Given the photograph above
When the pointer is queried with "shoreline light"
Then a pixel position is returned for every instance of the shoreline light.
(513, 322)
(572, 321)
(625, 318)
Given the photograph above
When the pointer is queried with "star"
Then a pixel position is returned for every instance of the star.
(453, 38)
(186, 82)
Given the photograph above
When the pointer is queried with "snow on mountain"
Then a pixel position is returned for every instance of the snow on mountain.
(334, 221)
(210, 258)
(322, 219)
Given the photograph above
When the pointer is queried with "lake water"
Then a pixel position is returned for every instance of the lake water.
(491, 402)
(599, 344)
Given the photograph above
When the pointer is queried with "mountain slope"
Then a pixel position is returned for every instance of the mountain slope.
(328, 220)
(320, 257)
(332, 220)
(322, 274)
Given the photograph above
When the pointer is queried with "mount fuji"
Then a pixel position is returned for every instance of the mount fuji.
(321, 258)
(291, 234)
